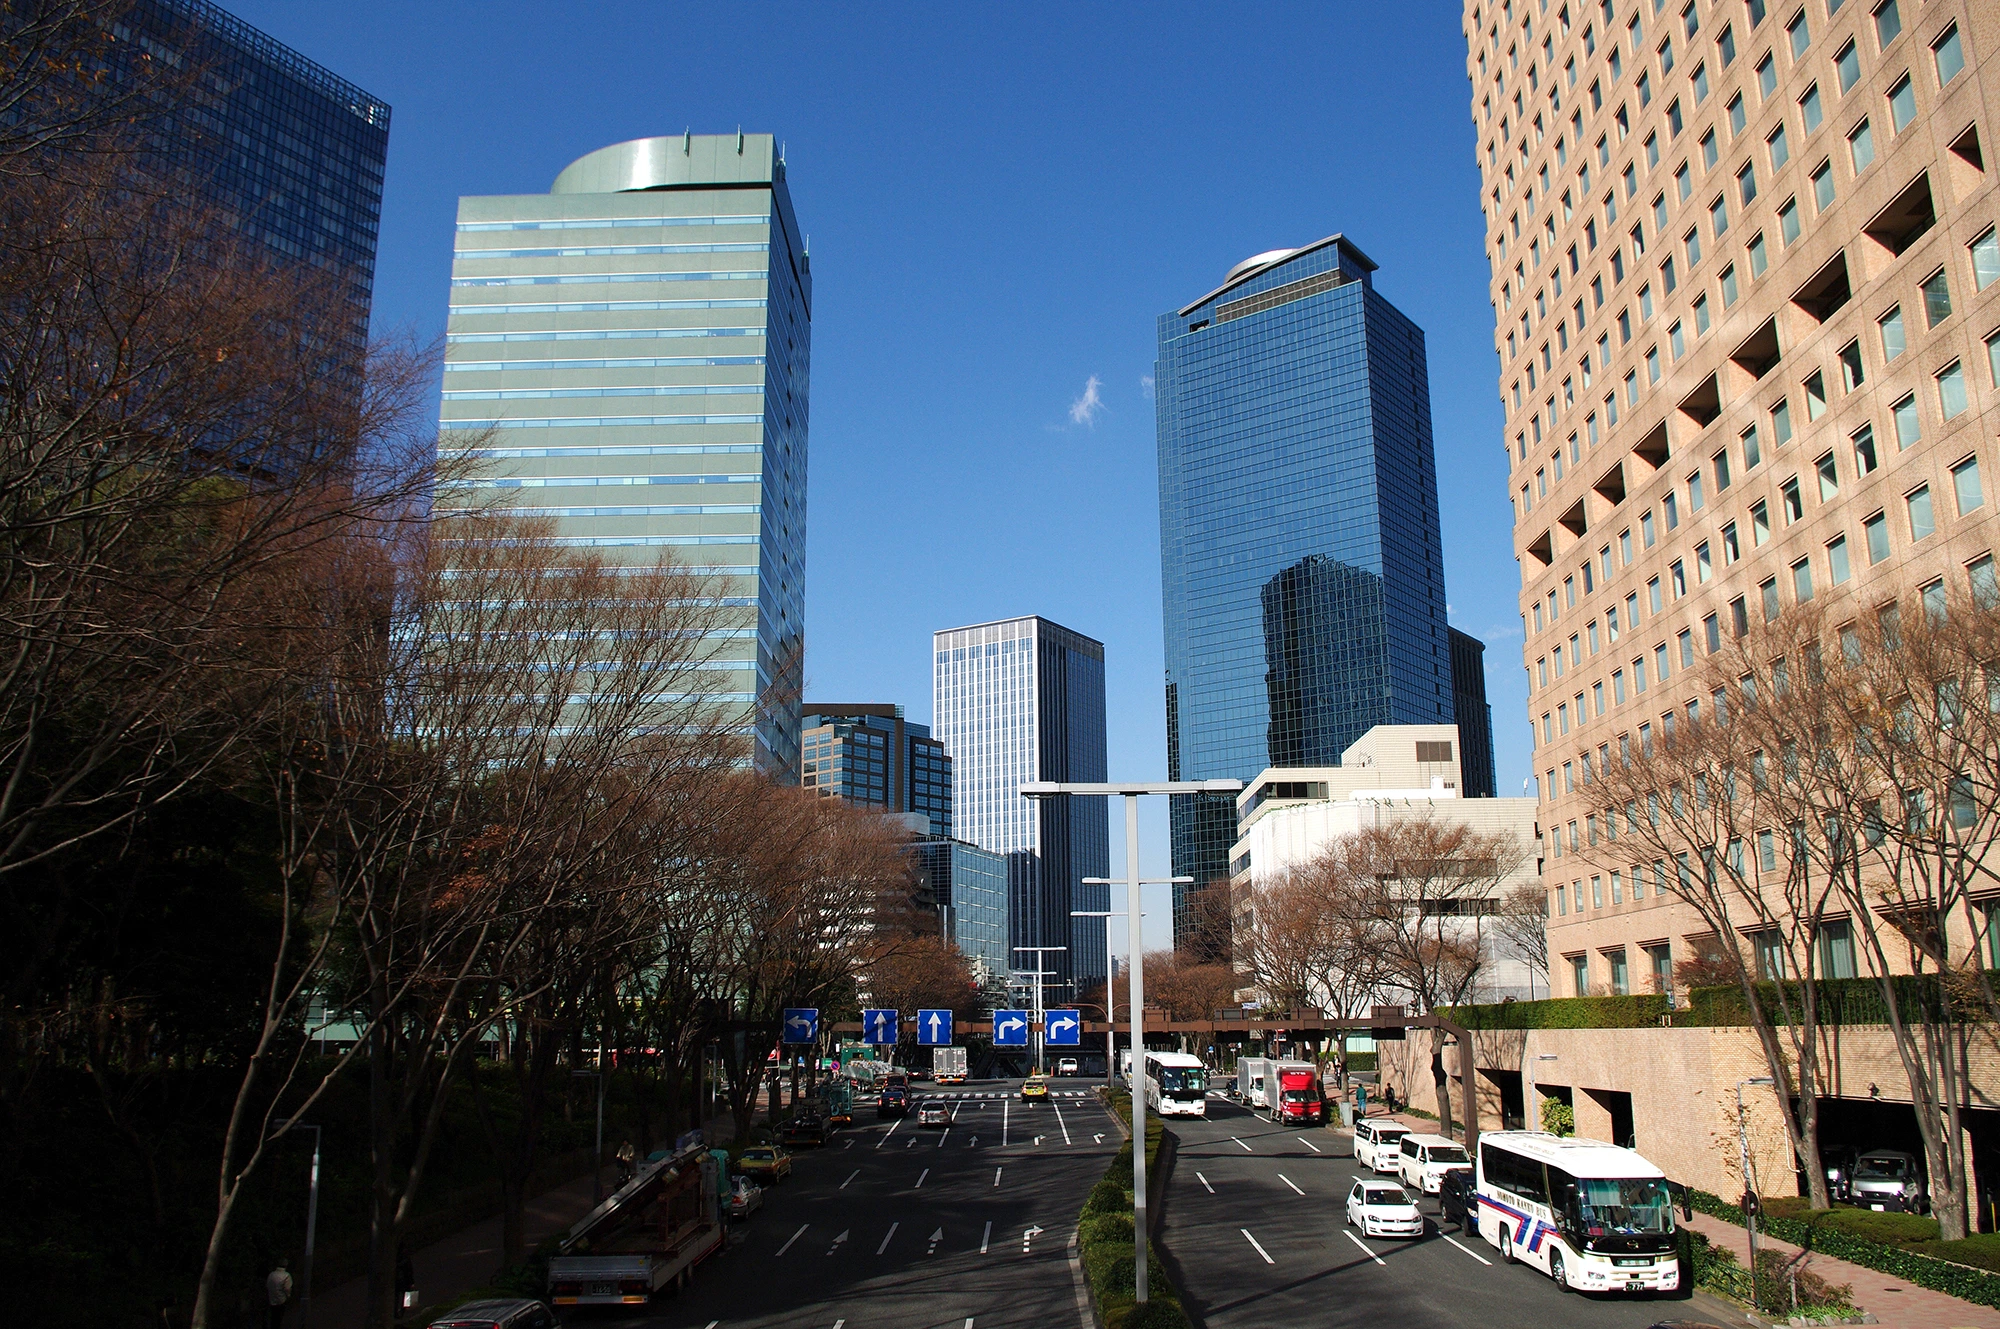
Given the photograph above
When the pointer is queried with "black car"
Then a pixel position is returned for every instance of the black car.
(1457, 1199)
(893, 1103)
(805, 1130)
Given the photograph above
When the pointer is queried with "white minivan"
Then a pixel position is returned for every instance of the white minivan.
(1426, 1158)
(1378, 1145)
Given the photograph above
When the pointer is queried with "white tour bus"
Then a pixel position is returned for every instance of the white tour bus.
(1176, 1085)
(1592, 1216)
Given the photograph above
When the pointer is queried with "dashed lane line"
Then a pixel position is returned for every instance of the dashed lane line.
(886, 1235)
(920, 1179)
(1364, 1249)
(795, 1236)
(1469, 1251)
(1258, 1244)
(1062, 1123)
(1246, 1148)
(1308, 1144)
(1204, 1181)
(996, 1178)
(1003, 1123)
(850, 1177)
(1289, 1182)
(944, 1137)
(984, 1237)
(886, 1134)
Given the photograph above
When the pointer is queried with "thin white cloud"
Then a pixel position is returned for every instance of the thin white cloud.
(1083, 411)
(1146, 385)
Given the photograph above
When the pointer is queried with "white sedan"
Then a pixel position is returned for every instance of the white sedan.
(1380, 1209)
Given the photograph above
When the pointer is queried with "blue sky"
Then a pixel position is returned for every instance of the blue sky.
(1000, 200)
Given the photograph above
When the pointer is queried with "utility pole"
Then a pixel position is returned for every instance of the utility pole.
(312, 1223)
(1131, 793)
(1750, 1205)
(1038, 973)
(1111, 966)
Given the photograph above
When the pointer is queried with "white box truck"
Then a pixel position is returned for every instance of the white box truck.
(1284, 1091)
(948, 1065)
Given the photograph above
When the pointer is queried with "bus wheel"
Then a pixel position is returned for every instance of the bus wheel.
(1557, 1272)
(1506, 1246)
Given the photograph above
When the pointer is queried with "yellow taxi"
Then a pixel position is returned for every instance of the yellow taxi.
(765, 1160)
(1035, 1086)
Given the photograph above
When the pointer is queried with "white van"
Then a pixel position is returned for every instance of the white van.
(1425, 1159)
(1378, 1145)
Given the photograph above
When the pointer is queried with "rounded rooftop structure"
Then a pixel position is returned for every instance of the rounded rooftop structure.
(677, 161)
(1255, 261)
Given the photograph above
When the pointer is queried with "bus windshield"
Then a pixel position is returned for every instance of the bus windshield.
(1183, 1079)
(1638, 1207)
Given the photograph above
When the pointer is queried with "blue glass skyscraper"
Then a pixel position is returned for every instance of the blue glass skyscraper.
(1300, 562)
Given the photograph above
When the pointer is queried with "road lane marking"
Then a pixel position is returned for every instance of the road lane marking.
(996, 1177)
(1364, 1250)
(1308, 1144)
(1259, 1245)
(850, 1177)
(1289, 1182)
(1204, 1182)
(1063, 1124)
(984, 1237)
(1097, 1138)
(886, 1235)
(838, 1241)
(838, 1323)
(1028, 1236)
(848, 1145)
(936, 1237)
(711, 1324)
(944, 1137)
(920, 1179)
(912, 1144)
(886, 1134)
(795, 1236)
(1246, 1148)
(1474, 1254)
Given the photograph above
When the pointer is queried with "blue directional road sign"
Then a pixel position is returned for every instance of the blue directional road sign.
(881, 1027)
(1010, 1029)
(801, 1024)
(1061, 1029)
(934, 1028)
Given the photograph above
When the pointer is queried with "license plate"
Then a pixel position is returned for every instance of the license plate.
(1878, 1208)
(1635, 1287)
(601, 1289)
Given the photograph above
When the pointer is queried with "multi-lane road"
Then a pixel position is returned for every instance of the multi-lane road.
(1254, 1225)
(897, 1226)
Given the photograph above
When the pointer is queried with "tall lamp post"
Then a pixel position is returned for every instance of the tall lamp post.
(1749, 1187)
(1111, 964)
(312, 1220)
(1132, 793)
(1038, 974)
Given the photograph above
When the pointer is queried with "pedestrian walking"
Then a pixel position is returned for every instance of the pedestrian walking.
(278, 1294)
(626, 1156)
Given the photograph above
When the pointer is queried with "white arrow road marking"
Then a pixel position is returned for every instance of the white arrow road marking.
(1474, 1254)
(996, 1176)
(1097, 1138)
(848, 1145)
(1259, 1245)
(912, 1144)
(936, 1237)
(1364, 1249)
(1028, 1236)
(1289, 1182)
(1038, 1141)
(886, 1134)
(795, 1236)
(1204, 1182)
(1308, 1144)
(984, 1237)
(973, 1143)
(920, 1179)
(1246, 1148)
(850, 1177)
(837, 1242)
(1062, 1123)
(886, 1235)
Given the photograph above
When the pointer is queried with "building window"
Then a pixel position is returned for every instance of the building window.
(1902, 104)
(1579, 969)
(1822, 186)
(1985, 582)
(1847, 66)
(1788, 221)
(1829, 477)
(1836, 559)
(1985, 260)
(1922, 523)
(1876, 529)
(1951, 391)
(1937, 298)
(1811, 109)
(1797, 34)
(1852, 375)
(1802, 586)
(1908, 427)
(1836, 949)
(1781, 422)
(1965, 485)
(1948, 55)
(1891, 327)
(1767, 592)
(1860, 148)
(1760, 523)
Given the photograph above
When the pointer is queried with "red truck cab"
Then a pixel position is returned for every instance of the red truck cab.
(1300, 1098)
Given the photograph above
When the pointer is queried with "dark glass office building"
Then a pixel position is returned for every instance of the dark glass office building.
(1473, 715)
(867, 754)
(291, 154)
(1300, 562)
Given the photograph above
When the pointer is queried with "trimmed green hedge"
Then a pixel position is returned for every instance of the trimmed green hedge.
(1105, 1239)
(1562, 1013)
(1982, 1250)
(1981, 1289)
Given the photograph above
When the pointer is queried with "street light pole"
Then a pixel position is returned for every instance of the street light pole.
(312, 1223)
(1110, 963)
(1131, 793)
(1749, 1187)
(1038, 974)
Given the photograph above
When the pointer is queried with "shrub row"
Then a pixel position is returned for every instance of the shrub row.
(1563, 1013)
(1982, 1289)
(1105, 1241)
(1842, 1001)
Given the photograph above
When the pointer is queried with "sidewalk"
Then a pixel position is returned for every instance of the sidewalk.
(462, 1261)
(1893, 1302)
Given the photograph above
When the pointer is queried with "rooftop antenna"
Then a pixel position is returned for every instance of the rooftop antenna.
(739, 140)
(687, 141)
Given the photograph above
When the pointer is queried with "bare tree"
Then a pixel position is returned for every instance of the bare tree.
(1523, 923)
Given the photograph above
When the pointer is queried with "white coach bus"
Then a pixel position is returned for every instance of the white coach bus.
(1176, 1085)
(1592, 1216)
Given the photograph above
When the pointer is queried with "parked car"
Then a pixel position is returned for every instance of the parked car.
(510, 1313)
(933, 1114)
(1889, 1179)
(1383, 1209)
(1034, 1087)
(893, 1103)
(746, 1197)
(1379, 1144)
(1066, 1066)
(805, 1130)
(1458, 1198)
(765, 1160)
(1423, 1159)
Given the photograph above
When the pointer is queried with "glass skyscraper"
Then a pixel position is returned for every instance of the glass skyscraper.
(1018, 701)
(629, 353)
(969, 885)
(287, 152)
(1300, 563)
(867, 754)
